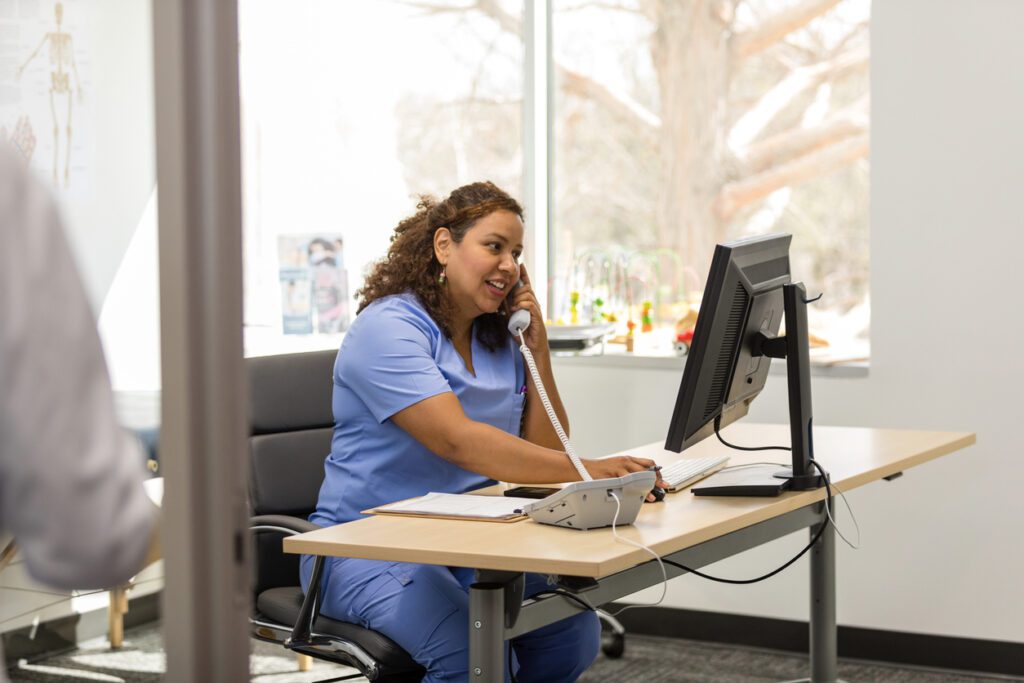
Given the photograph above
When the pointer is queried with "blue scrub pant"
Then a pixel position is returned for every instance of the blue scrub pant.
(425, 609)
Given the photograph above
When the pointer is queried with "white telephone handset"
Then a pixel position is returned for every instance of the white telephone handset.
(519, 320)
(572, 507)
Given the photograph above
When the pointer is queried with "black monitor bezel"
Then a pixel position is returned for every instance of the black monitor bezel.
(739, 255)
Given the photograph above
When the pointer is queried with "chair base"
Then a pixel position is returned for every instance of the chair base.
(334, 650)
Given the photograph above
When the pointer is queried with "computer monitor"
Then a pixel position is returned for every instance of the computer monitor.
(749, 293)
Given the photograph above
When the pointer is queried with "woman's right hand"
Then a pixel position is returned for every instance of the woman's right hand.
(617, 466)
(620, 466)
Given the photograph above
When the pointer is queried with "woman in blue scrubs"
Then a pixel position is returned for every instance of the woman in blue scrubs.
(431, 394)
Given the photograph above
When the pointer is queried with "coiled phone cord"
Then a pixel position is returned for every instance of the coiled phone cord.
(569, 450)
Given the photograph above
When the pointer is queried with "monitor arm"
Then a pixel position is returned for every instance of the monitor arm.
(795, 348)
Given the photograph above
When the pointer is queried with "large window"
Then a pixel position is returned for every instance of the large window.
(349, 111)
(682, 124)
(675, 125)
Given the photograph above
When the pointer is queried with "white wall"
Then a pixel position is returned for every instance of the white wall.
(942, 550)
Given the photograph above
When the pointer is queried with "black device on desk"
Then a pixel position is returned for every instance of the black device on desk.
(748, 294)
(530, 492)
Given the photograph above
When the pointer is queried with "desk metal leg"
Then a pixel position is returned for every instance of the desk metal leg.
(487, 632)
(824, 652)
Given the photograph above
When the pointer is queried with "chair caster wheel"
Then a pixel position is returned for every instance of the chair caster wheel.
(613, 645)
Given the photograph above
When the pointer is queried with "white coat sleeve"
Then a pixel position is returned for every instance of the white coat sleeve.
(70, 477)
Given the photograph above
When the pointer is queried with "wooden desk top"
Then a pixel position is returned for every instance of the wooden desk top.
(853, 456)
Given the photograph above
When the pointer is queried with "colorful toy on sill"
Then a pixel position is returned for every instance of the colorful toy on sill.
(574, 308)
(596, 314)
(816, 342)
(682, 343)
(630, 326)
(646, 322)
(687, 322)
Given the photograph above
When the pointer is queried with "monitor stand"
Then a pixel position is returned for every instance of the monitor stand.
(748, 481)
(795, 348)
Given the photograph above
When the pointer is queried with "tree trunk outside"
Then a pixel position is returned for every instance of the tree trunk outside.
(690, 52)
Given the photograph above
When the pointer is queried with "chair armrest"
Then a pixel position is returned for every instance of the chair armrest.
(310, 610)
(284, 524)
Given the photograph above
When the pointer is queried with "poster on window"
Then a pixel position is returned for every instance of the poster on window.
(314, 284)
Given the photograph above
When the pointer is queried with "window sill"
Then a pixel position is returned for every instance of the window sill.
(261, 342)
(615, 356)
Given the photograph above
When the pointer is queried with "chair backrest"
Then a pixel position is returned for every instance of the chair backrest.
(290, 430)
(291, 424)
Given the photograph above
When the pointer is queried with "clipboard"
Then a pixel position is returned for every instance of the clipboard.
(458, 506)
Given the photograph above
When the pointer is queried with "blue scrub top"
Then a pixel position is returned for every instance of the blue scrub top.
(393, 356)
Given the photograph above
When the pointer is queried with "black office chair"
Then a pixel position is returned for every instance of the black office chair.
(291, 426)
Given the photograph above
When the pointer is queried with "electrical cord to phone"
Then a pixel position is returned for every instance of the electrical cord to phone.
(828, 508)
(664, 574)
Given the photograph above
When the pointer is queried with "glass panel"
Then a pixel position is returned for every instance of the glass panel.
(680, 125)
(76, 103)
(350, 110)
(76, 98)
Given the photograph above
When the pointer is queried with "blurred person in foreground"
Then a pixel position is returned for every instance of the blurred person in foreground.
(71, 490)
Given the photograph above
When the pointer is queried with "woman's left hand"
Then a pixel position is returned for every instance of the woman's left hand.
(524, 298)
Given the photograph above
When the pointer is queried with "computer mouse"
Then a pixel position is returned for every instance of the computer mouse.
(658, 493)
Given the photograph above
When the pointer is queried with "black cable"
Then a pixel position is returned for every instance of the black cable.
(566, 594)
(821, 528)
(824, 475)
(759, 578)
(718, 425)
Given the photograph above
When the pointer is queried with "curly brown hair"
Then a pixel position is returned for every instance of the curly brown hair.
(411, 265)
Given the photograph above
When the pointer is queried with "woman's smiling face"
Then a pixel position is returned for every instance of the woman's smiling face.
(482, 268)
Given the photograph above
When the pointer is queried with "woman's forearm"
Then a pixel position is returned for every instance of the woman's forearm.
(497, 454)
(440, 424)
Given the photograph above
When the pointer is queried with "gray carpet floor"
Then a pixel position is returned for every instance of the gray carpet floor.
(647, 659)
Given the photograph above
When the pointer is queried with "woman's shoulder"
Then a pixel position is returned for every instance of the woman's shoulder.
(395, 311)
(389, 329)
(401, 306)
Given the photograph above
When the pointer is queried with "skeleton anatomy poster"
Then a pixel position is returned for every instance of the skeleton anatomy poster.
(45, 89)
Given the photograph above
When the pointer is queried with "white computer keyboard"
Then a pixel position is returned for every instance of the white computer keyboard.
(682, 473)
